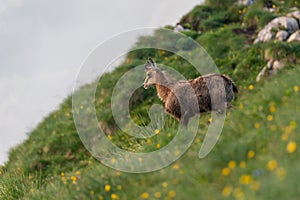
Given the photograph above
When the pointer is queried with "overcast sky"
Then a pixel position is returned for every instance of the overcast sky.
(43, 43)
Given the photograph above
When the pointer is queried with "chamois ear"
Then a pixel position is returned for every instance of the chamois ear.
(150, 64)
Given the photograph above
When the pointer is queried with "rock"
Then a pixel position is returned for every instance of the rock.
(178, 28)
(246, 2)
(271, 69)
(289, 24)
(295, 14)
(294, 37)
(281, 35)
(261, 74)
(277, 65)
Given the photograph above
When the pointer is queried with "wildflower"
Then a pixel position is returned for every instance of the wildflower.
(156, 131)
(291, 147)
(256, 125)
(272, 109)
(158, 146)
(251, 87)
(77, 173)
(232, 164)
(107, 188)
(273, 127)
(176, 166)
(296, 88)
(118, 173)
(171, 194)
(251, 154)
(281, 172)
(241, 106)
(145, 195)
(284, 136)
(148, 141)
(293, 124)
(32, 190)
(169, 135)
(210, 120)
(177, 153)
(272, 165)
(242, 164)
(157, 194)
(62, 174)
(238, 193)
(270, 118)
(164, 184)
(227, 191)
(246, 179)
(74, 179)
(92, 192)
(119, 187)
(225, 171)
(255, 185)
(113, 160)
(114, 196)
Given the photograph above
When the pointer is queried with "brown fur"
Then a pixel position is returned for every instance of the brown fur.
(179, 96)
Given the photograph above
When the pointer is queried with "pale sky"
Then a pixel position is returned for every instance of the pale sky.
(43, 43)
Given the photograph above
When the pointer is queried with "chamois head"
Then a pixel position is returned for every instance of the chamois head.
(151, 70)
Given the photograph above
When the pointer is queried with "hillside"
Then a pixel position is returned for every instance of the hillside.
(256, 157)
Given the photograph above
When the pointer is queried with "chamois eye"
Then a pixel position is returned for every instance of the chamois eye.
(149, 75)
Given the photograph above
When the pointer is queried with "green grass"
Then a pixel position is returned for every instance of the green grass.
(256, 156)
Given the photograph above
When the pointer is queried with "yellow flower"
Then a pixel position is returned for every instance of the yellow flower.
(272, 164)
(296, 88)
(272, 109)
(119, 187)
(280, 172)
(177, 153)
(238, 193)
(226, 171)
(171, 194)
(157, 194)
(227, 191)
(241, 106)
(176, 166)
(164, 184)
(242, 164)
(74, 179)
(246, 179)
(293, 124)
(269, 117)
(107, 188)
(62, 174)
(255, 185)
(158, 146)
(148, 141)
(232, 164)
(210, 120)
(77, 173)
(113, 160)
(284, 136)
(145, 195)
(156, 131)
(251, 87)
(114, 196)
(256, 125)
(169, 135)
(291, 147)
(251, 154)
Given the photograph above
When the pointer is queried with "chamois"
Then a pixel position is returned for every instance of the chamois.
(181, 97)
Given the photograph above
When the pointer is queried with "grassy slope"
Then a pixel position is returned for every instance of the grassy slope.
(250, 159)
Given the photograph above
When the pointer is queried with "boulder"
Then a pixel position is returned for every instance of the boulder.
(295, 14)
(294, 37)
(282, 36)
(289, 24)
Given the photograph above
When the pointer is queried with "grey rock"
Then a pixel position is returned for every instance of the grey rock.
(289, 24)
(282, 36)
